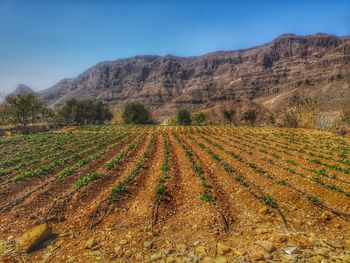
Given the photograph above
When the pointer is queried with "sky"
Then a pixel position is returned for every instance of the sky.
(42, 42)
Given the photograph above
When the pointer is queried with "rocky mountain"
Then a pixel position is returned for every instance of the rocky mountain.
(268, 76)
(21, 89)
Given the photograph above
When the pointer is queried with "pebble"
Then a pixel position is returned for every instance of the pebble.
(292, 250)
(90, 243)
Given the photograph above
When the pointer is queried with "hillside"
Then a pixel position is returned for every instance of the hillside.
(269, 75)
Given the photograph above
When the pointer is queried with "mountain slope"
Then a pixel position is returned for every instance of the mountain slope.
(268, 75)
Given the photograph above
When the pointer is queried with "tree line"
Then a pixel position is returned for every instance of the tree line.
(28, 109)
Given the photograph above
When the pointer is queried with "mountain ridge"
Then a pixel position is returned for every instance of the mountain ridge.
(167, 83)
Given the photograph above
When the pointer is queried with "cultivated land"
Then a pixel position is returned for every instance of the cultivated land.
(177, 194)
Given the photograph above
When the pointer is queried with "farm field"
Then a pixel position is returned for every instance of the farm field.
(177, 194)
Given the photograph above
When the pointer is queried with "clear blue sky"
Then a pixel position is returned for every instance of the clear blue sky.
(44, 41)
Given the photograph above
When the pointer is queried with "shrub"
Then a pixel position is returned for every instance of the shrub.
(183, 117)
(135, 113)
(229, 115)
(250, 116)
(199, 118)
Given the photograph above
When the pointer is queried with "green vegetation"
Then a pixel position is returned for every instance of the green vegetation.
(85, 112)
(183, 117)
(135, 113)
(24, 109)
(199, 118)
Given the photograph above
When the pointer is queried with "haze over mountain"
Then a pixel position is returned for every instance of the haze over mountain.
(268, 75)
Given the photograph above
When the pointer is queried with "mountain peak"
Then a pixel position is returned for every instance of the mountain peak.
(21, 89)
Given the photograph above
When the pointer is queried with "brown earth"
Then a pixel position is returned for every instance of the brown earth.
(188, 228)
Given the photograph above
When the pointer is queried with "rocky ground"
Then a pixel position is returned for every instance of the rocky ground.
(150, 246)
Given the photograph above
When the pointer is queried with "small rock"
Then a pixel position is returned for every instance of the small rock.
(34, 237)
(196, 243)
(292, 250)
(222, 249)
(90, 243)
(266, 245)
(128, 236)
(148, 244)
(123, 242)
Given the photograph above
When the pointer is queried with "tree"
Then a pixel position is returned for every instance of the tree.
(23, 109)
(85, 112)
(250, 116)
(135, 113)
(199, 118)
(229, 115)
(183, 117)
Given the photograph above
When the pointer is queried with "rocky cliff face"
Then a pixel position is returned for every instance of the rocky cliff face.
(267, 75)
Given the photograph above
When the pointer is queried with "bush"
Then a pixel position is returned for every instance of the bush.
(183, 117)
(199, 118)
(135, 113)
(85, 112)
(250, 116)
(229, 115)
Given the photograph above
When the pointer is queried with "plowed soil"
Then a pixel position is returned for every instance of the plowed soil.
(271, 190)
